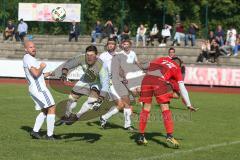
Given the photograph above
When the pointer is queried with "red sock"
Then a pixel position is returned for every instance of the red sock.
(143, 120)
(167, 120)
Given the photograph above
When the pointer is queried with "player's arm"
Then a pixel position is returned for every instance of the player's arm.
(47, 74)
(36, 72)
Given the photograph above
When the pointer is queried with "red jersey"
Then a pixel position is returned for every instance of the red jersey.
(167, 69)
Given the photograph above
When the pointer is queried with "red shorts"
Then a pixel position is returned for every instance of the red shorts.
(155, 86)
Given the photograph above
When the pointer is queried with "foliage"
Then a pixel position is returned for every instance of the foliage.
(149, 12)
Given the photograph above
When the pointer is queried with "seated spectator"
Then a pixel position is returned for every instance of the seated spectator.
(214, 52)
(125, 33)
(219, 35)
(179, 34)
(154, 33)
(211, 36)
(9, 31)
(191, 34)
(97, 32)
(205, 48)
(141, 31)
(237, 46)
(22, 30)
(108, 30)
(165, 34)
(229, 46)
(116, 35)
(74, 31)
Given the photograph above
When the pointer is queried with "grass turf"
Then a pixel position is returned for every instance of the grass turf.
(210, 133)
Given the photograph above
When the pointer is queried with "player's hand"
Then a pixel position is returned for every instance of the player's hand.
(96, 105)
(192, 109)
(42, 65)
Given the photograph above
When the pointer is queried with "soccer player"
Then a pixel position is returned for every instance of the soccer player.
(156, 82)
(39, 92)
(94, 84)
(125, 75)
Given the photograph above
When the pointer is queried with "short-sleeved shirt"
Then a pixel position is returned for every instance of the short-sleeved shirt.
(165, 68)
(34, 82)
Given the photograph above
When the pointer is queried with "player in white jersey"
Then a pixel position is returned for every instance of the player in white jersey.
(39, 92)
(119, 89)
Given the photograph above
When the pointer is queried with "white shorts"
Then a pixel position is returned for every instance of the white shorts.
(134, 79)
(117, 91)
(42, 99)
(84, 88)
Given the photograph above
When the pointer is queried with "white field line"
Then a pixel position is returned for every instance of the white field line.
(203, 148)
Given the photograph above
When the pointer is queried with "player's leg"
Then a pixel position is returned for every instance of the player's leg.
(38, 124)
(127, 112)
(87, 105)
(50, 122)
(71, 103)
(169, 126)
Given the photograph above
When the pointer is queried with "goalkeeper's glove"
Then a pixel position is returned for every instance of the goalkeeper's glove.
(96, 105)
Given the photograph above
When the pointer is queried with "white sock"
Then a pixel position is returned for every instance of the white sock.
(85, 107)
(114, 110)
(39, 122)
(50, 124)
(127, 116)
(70, 106)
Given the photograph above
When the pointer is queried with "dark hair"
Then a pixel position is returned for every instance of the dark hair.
(92, 48)
(171, 49)
(177, 60)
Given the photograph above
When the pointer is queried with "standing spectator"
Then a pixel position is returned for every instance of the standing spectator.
(108, 30)
(219, 35)
(141, 31)
(179, 34)
(9, 31)
(165, 34)
(22, 29)
(125, 33)
(97, 32)
(153, 34)
(191, 34)
(74, 32)
(211, 36)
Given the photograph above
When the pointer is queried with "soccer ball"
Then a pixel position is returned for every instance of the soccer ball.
(58, 14)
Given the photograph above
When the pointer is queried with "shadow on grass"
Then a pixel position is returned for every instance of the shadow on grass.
(88, 137)
(108, 125)
(153, 136)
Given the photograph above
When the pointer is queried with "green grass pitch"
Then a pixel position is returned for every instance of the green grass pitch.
(211, 133)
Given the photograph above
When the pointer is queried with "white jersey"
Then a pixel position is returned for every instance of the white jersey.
(37, 86)
(131, 56)
(39, 82)
(106, 57)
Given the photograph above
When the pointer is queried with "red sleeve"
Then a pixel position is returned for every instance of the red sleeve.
(178, 76)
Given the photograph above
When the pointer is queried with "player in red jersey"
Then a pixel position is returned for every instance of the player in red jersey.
(162, 72)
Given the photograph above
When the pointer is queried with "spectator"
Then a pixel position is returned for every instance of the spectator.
(229, 45)
(141, 31)
(9, 31)
(153, 34)
(74, 31)
(97, 32)
(237, 46)
(219, 35)
(179, 34)
(205, 48)
(165, 34)
(22, 29)
(108, 30)
(214, 52)
(116, 35)
(191, 34)
(125, 33)
(211, 36)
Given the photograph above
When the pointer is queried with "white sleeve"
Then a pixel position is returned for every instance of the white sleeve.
(29, 62)
(135, 57)
(184, 93)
